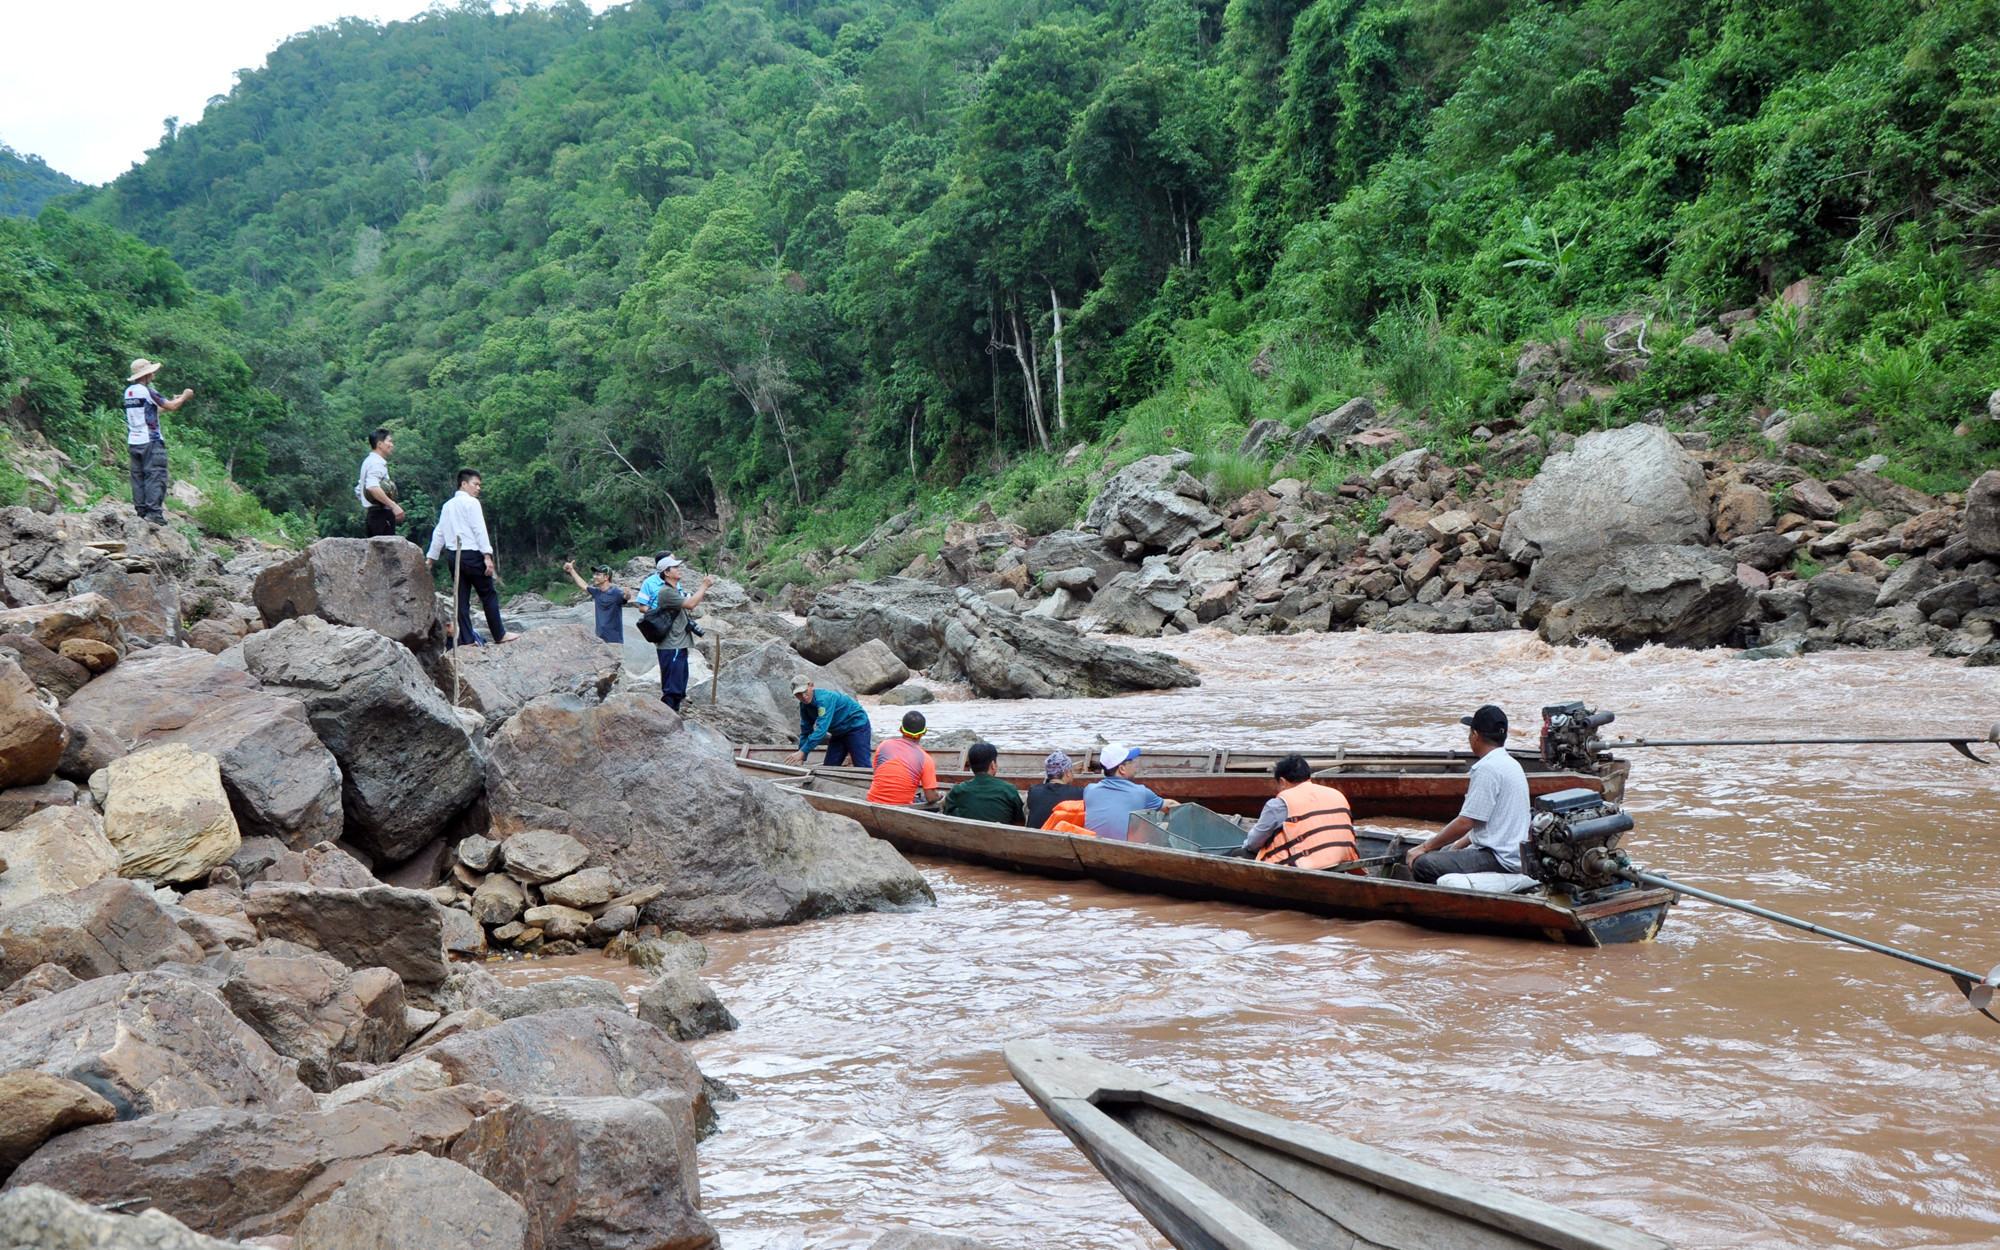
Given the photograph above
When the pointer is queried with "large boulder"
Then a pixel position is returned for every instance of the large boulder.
(148, 605)
(900, 611)
(54, 851)
(1140, 603)
(751, 699)
(1635, 486)
(35, 1106)
(573, 1052)
(870, 668)
(628, 781)
(21, 802)
(1982, 513)
(377, 927)
(1008, 655)
(165, 811)
(150, 1042)
(281, 780)
(89, 617)
(49, 670)
(32, 736)
(39, 1217)
(1675, 596)
(109, 926)
(560, 994)
(407, 766)
(1153, 502)
(1070, 549)
(311, 1008)
(685, 1006)
(380, 584)
(414, 1200)
(1834, 597)
(593, 1173)
(538, 855)
(230, 1171)
(497, 682)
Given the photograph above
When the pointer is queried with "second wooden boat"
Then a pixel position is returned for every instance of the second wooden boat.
(1211, 1175)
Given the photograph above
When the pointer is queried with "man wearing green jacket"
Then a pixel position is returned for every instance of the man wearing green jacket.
(833, 718)
(984, 795)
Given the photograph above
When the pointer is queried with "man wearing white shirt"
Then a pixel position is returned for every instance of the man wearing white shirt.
(461, 538)
(381, 514)
(1494, 819)
(143, 406)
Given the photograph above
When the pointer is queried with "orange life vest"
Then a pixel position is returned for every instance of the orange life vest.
(1067, 817)
(1318, 832)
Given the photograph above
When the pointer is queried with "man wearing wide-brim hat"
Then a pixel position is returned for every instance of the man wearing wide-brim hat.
(142, 438)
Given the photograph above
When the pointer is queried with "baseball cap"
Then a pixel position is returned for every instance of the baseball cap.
(1115, 754)
(666, 562)
(801, 684)
(1489, 722)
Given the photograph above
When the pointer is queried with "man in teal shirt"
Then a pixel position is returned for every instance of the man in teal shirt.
(833, 718)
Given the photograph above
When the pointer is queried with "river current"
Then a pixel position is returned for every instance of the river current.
(1730, 1084)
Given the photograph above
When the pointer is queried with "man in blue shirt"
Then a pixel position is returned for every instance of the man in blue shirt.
(663, 589)
(610, 600)
(833, 718)
(1109, 804)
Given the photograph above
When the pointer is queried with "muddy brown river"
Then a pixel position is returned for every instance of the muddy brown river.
(1731, 1084)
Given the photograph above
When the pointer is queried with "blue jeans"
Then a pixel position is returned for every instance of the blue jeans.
(856, 745)
(673, 676)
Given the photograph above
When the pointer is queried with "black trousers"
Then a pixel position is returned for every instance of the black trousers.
(1429, 868)
(472, 576)
(380, 522)
(149, 480)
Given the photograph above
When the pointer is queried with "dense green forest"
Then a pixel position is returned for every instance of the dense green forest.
(27, 183)
(805, 261)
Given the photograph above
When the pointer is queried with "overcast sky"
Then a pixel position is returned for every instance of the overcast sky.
(87, 83)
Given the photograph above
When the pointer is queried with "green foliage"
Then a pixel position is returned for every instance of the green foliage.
(27, 183)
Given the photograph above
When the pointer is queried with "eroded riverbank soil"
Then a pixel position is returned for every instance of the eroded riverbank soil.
(1729, 1085)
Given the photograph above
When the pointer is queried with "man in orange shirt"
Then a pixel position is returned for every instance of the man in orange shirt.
(903, 769)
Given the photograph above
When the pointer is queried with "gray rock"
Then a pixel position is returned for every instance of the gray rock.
(572, 1052)
(1960, 596)
(415, 1200)
(1014, 656)
(54, 851)
(476, 853)
(537, 855)
(1617, 488)
(1326, 431)
(110, 926)
(32, 736)
(557, 995)
(670, 952)
(683, 1005)
(58, 675)
(1908, 580)
(1069, 549)
(497, 682)
(923, 1239)
(870, 668)
(625, 779)
(1675, 596)
(379, 927)
(312, 1009)
(612, 921)
(1982, 513)
(462, 934)
(150, 1042)
(35, 1217)
(594, 1173)
(1810, 497)
(1834, 597)
(1258, 439)
(324, 863)
(592, 887)
(909, 694)
(1140, 503)
(148, 604)
(37, 983)
(498, 900)
(899, 611)
(1404, 470)
(407, 766)
(35, 1106)
(754, 700)
(379, 584)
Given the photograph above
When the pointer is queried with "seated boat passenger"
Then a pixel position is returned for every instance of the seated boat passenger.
(1305, 824)
(984, 796)
(1059, 786)
(905, 774)
(1108, 804)
(1486, 835)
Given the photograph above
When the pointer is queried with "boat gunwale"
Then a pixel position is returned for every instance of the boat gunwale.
(1466, 1197)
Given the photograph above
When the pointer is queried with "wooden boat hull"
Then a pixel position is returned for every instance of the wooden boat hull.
(1412, 785)
(1212, 1175)
(1630, 916)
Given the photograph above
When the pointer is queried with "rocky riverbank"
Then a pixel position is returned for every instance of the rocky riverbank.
(249, 865)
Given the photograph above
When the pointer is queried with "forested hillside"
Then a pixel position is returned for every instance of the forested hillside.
(804, 262)
(27, 183)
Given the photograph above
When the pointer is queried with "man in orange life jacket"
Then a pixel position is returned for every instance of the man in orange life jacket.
(904, 771)
(1305, 825)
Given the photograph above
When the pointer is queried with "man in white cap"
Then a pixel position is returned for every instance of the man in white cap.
(143, 405)
(663, 591)
(1108, 804)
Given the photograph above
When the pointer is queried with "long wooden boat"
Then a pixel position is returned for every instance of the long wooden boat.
(1633, 915)
(1212, 1175)
(1417, 785)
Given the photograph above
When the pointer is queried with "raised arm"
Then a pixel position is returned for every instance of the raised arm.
(174, 404)
(569, 567)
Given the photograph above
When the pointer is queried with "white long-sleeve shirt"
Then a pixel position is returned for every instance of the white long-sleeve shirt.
(461, 527)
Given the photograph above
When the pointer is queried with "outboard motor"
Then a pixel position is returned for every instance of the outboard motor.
(1569, 736)
(1572, 845)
